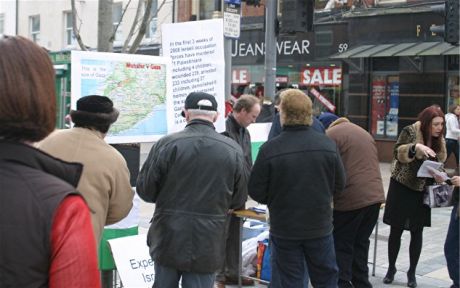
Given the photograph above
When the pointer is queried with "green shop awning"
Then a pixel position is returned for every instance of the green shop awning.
(400, 50)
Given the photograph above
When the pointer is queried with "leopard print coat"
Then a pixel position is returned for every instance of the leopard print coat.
(404, 169)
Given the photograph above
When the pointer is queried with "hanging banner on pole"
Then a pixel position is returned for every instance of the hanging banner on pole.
(323, 100)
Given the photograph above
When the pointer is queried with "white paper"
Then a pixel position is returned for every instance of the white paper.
(428, 168)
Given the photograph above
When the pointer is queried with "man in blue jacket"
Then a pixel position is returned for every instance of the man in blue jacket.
(298, 193)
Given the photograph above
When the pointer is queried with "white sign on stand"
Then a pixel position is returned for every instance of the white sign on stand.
(196, 49)
(132, 258)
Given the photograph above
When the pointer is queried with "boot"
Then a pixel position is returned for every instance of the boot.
(411, 282)
(390, 275)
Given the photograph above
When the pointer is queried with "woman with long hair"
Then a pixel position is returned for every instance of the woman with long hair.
(404, 209)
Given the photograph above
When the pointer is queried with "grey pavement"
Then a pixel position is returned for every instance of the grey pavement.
(431, 270)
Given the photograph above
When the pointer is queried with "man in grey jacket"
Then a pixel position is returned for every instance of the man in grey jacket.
(195, 177)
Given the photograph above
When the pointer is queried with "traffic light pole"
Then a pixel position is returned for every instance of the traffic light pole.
(270, 49)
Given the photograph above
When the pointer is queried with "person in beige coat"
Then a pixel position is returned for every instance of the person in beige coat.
(105, 180)
(356, 209)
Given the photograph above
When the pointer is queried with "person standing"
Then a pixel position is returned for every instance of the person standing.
(356, 210)
(45, 225)
(404, 209)
(276, 127)
(245, 112)
(194, 177)
(105, 179)
(453, 131)
(299, 196)
(451, 245)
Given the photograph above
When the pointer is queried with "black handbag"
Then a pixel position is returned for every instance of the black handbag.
(436, 196)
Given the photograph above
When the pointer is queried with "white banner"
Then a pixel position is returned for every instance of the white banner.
(196, 49)
(132, 258)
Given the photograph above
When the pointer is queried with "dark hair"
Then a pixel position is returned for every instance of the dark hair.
(426, 117)
(245, 102)
(27, 93)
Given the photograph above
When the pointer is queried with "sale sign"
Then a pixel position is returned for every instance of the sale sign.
(322, 76)
(240, 76)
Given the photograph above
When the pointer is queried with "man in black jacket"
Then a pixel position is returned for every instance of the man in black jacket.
(245, 112)
(298, 194)
(195, 177)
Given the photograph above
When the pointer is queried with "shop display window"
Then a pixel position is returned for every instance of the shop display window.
(453, 90)
(322, 82)
(385, 106)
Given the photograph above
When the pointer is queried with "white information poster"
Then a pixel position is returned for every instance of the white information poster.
(132, 258)
(138, 85)
(196, 49)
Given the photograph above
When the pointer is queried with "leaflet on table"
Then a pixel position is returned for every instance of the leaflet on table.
(261, 208)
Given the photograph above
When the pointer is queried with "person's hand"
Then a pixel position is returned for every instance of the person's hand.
(455, 180)
(230, 211)
(427, 151)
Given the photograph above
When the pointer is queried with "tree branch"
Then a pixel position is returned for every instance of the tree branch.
(133, 27)
(112, 38)
(146, 20)
(76, 31)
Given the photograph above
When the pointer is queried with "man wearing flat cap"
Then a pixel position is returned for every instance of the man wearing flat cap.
(194, 177)
(105, 180)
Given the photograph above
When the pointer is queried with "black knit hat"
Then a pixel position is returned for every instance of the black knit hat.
(94, 110)
(200, 101)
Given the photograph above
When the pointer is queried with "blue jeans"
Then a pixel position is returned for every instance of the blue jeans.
(288, 260)
(166, 277)
(451, 246)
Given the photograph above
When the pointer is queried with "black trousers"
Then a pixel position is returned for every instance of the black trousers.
(352, 230)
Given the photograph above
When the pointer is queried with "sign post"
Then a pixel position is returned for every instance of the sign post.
(232, 18)
(232, 21)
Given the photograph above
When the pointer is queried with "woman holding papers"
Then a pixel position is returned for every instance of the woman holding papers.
(404, 206)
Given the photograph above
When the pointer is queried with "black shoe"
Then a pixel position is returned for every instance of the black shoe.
(345, 284)
(390, 276)
(411, 282)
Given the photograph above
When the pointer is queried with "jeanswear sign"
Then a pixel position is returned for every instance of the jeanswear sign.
(286, 47)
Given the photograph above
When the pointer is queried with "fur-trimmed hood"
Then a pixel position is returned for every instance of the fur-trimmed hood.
(84, 118)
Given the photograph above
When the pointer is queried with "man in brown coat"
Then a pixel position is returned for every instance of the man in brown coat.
(105, 180)
(356, 209)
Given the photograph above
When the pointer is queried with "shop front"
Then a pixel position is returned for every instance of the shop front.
(302, 62)
(394, 68)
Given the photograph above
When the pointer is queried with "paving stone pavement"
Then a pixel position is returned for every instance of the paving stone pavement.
(431, 270)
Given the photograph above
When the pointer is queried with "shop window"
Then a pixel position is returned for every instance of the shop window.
(153, 25)
(69, 37)
(385, 105)
(453, 90)
(34, 28)
(117, 11)
(2, 23)
(324, 78)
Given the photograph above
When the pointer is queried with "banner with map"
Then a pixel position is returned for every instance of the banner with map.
(138, 85)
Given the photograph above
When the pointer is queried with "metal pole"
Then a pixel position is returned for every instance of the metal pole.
(17, 17)
(270, 49)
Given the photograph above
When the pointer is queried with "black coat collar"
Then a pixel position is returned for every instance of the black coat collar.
(23, 154)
